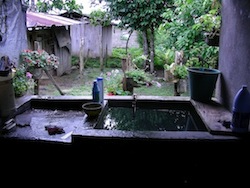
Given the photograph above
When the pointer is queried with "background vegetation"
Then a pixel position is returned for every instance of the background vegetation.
(163, 28)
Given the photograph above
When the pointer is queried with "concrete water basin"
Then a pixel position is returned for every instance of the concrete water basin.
(150, 115)
(34, 114)
(190, 156)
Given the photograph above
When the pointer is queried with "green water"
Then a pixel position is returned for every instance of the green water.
(144, 119)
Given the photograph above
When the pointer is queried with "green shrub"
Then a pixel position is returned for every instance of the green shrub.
(139, 61)
(92, 62)
(159, 59)
(181, 72)
(138, 75)
(20, 81)
(75, 60)
(113, 62)
(113, 82)
(121, 52)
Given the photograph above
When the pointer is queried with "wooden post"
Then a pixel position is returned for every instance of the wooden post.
(128, 84)
(37, 46)
(81, 58)
(124, 65)
(176, 92)
(36, 86)
(101, 49)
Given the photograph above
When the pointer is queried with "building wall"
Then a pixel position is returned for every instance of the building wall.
(44, 37)
(112, 37)
(234, 52)
(55, 40)
(119, 38)
(91, 37)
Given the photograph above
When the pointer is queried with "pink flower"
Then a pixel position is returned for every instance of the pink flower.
(28, 75)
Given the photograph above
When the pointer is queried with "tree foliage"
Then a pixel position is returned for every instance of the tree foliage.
(53, 5)
(184, 27)
(100, 17)
(138, 15)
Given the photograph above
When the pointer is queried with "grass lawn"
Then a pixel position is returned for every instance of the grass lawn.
(81, 85)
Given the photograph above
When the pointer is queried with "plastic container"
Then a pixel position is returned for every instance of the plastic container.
(7, 97)
(202, 83)
(95, 92)
(100, 85)
(241, 111)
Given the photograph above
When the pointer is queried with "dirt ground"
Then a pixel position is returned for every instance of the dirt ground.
(67, 83)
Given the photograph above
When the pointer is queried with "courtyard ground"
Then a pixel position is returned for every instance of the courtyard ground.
(81, 85)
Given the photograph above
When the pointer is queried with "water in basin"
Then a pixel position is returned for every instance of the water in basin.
(154, 116)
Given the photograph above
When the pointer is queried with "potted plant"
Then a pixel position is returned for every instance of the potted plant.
(177, 74)
(139, 76)
(210, 24)
(20, 81)
(113, 82)
(37, 60)
(212, 29)
(181, 74)
(202, 81)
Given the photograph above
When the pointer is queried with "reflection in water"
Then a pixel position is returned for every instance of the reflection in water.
(134, 105)
(122, 118)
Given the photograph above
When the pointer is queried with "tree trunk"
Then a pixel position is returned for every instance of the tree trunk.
(145, 48)
(130, 33)
(152, 50)
(81, 58)
(101, 49)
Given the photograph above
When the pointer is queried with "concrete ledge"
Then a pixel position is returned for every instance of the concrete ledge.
(215, 117)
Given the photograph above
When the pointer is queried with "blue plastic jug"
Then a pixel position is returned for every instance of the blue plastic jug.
(100, 85)
(241, 111)
(95, 92)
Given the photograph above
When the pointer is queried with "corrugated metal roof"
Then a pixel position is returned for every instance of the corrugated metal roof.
(37, 19)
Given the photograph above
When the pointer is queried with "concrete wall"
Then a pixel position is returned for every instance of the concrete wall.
(234, 55)
(14, 37)
(119, 38)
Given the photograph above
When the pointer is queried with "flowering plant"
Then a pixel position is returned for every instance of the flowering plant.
(113, 82)
(21, 80)
(39, 59)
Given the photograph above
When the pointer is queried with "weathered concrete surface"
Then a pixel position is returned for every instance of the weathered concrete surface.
(234, 51)
(214, 115)
(184, 158)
